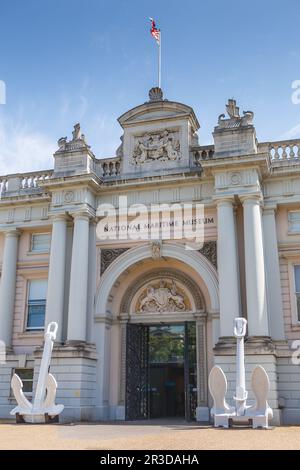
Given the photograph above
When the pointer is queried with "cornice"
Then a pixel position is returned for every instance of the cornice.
(89, 179)
(261, 161)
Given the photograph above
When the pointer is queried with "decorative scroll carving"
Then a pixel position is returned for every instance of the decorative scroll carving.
(156, 249)
(108, 256)
(119, 151)
(161, 297)
(161, 147)
(209, 250)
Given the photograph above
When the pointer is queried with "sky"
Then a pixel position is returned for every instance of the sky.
(65, 61)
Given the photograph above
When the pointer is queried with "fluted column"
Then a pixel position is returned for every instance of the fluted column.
(227, 267)
(56, 277)
(8, 285)
(274, 299)
(254, 267)
(79, 279)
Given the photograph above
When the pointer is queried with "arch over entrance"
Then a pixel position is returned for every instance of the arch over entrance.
(178, 274)
(193, 259)
(171, 282)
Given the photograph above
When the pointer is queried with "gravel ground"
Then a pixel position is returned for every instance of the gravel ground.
(146, 436)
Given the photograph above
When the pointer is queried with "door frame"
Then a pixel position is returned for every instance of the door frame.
(146, 409)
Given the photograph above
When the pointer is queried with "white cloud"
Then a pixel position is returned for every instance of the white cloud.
(291, 133)
(23, 149)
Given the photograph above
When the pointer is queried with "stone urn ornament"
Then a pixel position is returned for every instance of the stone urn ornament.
(257, 415)
(43, 408)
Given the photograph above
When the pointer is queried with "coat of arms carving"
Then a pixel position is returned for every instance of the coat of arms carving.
(161, 147)
(162, 297)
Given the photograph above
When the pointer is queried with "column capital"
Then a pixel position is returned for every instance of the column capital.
(82, 215)
(59, 216)
(270, 209)
(94, 221)
(254, 198)
(11, 232)
(224, 200)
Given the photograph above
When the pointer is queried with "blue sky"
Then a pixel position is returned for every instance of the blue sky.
(65, 61)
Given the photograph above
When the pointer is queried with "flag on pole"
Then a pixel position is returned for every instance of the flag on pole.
(155, 32)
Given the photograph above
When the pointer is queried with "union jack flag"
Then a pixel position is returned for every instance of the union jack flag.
(155, 32)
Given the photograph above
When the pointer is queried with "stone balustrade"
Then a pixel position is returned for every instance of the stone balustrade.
(109, 167)
(205, 152)
(22, 182)
(281, 153)
(284, 151)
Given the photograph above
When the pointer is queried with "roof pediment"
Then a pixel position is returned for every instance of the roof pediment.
(158, 111)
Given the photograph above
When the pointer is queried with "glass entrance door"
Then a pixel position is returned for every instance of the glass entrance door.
(161, 374)
(166, 371)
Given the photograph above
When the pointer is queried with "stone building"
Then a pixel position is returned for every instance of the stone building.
(142, 321)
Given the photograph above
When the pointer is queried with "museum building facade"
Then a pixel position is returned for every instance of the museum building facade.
(143, 319)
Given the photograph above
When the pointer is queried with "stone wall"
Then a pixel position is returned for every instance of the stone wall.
(289, 390)
(74, 369)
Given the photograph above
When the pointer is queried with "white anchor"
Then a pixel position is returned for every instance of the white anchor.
(43, 405)
(259, 413)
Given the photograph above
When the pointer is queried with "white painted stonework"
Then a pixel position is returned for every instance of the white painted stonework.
(99, 289)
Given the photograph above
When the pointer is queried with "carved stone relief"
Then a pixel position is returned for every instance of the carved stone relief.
(77, 142)
(162, 296)
(153, 279)
(209, 250)
(108, 256)
(156, 249)
(164, 146)
(235, 120)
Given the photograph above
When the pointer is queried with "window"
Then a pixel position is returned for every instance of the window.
(26, 375)
(294, 221)
(40, 242)
(36, 305)
(297, 289)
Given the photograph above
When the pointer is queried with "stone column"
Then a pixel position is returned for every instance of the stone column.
(254, 267)
(227, 267)
(79, 279)
(56, 277)
(274, 299)
(92, 280)
(8, 285)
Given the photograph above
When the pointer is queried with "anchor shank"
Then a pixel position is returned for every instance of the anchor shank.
(44, 368)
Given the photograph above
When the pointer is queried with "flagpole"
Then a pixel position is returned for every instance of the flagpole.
(159, 61)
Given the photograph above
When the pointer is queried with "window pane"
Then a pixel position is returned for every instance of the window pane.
(36, 314)
(297, 278)
(38, 289)
(294, 221)
(26, 375)
(166, 344)
(298, 306)
(41, 242)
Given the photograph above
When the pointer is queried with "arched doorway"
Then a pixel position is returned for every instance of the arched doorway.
(175, 296)
(163, 346)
